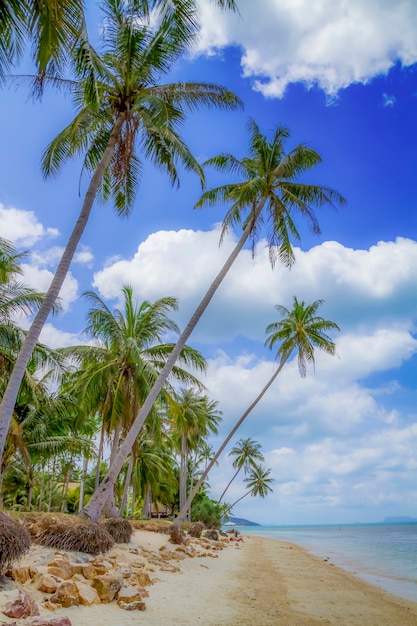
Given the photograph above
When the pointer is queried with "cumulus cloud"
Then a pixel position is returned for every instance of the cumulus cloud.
(22, 227)
(361, 288)
(329, 43)
(341, 434)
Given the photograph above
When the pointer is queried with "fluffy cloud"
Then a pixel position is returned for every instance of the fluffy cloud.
(361, 288)
(22, 227)
(330, 43)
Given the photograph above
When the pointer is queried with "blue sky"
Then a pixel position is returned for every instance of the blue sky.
(341, 444)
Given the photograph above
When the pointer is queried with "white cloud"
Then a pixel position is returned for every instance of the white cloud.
(330, 43)
(22, 227)
(361, 288)
(40, 279)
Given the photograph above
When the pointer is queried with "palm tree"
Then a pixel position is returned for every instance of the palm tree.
(53, 27)
(114, 376)
(247, 452)
(258, 482)
(122, 107)
(301, 329)
(194, 417)
(270, 185)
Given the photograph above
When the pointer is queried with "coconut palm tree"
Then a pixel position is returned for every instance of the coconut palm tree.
(55, 26)
(301, 329)
(258, 482)
(194, 416)
(247, 452)
(114, 376)
(269, 192)
(122, 109)
(52, 26)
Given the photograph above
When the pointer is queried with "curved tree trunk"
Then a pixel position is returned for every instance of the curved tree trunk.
(183, 512)
(94, 507)
(229, 483)
(16, 377)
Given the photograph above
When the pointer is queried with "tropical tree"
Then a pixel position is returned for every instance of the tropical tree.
(122, 108)
(113, 377)
(52, 26)
(194, 416)
(301, 329)
(258, 482)
(246, 453)
(270, 192)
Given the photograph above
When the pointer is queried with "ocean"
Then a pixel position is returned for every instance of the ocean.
(382, 554)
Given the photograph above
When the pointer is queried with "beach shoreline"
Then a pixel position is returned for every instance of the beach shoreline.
(257, 582)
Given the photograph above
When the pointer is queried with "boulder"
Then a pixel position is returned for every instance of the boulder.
(86, 594)
(129, 594)
(48, 583)
(20, 574)
(138, 605)
(22, 606)
(55, 621)
(212, 534)
(107, 586)
(66, 594)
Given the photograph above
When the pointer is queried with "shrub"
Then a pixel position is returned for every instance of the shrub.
(120, 529)
(65, 532)
(15, 541)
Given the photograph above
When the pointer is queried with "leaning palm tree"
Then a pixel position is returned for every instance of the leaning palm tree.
(113, 377)
(269, 192)
(258, 482)
(300, 329)
(122, 109)
(194, 416)
(246, 453)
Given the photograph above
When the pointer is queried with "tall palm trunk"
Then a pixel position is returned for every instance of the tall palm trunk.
(94, 507)
(183, 512)
(229, 483)
(100, 455)
(127, 483)
(183, 470)
(109, 508)
(16, 377)
(147, 502)
(82, 484)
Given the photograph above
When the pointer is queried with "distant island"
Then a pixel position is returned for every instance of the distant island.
(399, 519)
(239, 521)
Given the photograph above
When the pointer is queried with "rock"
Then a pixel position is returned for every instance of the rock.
(20, 574)
(48, 583)
(55, 621)
(107, 586)
(141, 579)
(128, 594)
(87, 570)
(61, 567)
(22, 606)
(86, 594)
(66, 594)
(139, 605)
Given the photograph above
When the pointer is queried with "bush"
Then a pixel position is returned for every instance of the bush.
(207, 511)
(65, 532)
(120, 529)
(15, 541)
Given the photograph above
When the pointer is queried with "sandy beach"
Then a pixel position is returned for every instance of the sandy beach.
(254, 582)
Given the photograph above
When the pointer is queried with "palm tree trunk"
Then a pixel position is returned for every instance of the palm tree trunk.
(183, 471)
(228, 484)
(16, 377)
(147, 502)
(110, 508)
(94, 507)
(238, 500)
(82, 484)
(127, 483)
(181, 515)
(100, 456)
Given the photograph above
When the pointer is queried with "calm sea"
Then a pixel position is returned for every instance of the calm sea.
(383, 554)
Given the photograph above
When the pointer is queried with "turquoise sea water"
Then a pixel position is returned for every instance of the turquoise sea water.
(383, 554)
